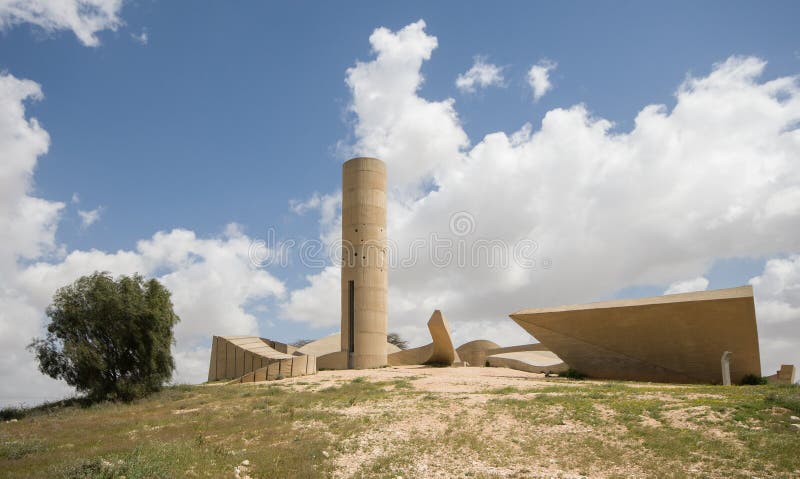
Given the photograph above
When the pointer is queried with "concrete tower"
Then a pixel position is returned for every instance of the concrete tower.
(365, 278)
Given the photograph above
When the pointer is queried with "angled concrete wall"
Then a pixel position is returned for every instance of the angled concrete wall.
(364, 263)
(674, 338)
(250, 358)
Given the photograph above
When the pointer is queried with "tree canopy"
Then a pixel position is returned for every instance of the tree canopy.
(395, 339)
(109, 338)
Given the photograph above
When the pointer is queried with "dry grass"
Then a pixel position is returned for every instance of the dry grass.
(416, 422)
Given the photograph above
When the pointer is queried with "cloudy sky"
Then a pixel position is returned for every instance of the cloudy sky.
(632, 150)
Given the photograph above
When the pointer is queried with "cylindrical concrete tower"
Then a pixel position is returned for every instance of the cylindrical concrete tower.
(365, 278)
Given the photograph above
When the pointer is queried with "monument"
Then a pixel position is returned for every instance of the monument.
(704, 337)
(365, 277)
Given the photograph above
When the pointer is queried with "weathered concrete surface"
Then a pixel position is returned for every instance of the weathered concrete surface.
(674, 338)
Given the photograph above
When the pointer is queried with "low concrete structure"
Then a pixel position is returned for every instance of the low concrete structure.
(439, 352)
(785, 375)
(250, 358)
(328, 353)
(474, 352)
(676, 338)
(530, 361)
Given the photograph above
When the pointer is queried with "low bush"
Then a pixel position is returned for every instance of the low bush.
(753, 380)
(572, 374)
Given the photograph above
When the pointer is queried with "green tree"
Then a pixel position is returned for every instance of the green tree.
(109, 339)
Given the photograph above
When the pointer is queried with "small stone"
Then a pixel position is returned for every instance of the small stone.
(796, 426)
(325, 453)
(794, 418)
(246, 463)
(12, 420)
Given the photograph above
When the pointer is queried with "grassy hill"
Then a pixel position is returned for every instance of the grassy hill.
(412, 422)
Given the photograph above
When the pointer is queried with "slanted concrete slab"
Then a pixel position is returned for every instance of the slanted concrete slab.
(673, 338)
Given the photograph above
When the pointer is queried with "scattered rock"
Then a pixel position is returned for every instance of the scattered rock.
(325, 453)
(246, 463)
(794, 418)
(796, 426)
(185, 411)
(12, 420)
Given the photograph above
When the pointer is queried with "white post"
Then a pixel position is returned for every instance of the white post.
(726, 368)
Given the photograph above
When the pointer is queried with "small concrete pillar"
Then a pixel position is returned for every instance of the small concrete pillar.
(726, 368)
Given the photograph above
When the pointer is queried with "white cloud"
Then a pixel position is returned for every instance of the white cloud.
(661, 202)
(211, 279)
(84, 17)
(27, 231)
(395, 124)
(777, 292)
(88, 218)
(539, 78)
(688, 286)
(75, 199)
(141, 38)
(318, 304)
(480, 75)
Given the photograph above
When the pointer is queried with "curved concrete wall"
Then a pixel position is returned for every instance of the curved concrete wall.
(474, 352)
(439, 352)
(530, 361)
(364, 262)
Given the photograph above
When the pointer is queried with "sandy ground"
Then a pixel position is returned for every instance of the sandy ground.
(461, 394)
(440, 380)
(504, 423)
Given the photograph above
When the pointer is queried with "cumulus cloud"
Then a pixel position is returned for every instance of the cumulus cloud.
(27, 231)
(90, 217)
(211, 279)
(539, 78)
(688, 286)
(84, 17)
(481, 75)
(392, 122)
(777, 293)
(709, 178)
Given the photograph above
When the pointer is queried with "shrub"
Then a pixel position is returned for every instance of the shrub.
(12, 412)
(572, 374)
(753, 380)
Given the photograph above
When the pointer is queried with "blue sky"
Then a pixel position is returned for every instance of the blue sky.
(227, 113)
(230, 111)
